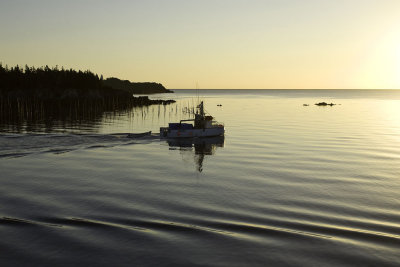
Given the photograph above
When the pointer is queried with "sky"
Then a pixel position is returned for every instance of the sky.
(216, 44)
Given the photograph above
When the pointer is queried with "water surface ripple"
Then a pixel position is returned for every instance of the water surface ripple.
(289, 185)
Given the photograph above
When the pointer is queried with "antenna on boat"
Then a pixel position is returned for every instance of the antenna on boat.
(197, 92)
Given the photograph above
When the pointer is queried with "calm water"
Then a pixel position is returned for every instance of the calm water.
(288, 185)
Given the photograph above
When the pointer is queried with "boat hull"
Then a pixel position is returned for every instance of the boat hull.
(187, 133)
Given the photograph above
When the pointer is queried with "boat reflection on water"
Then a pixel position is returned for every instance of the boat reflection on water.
(197, 147)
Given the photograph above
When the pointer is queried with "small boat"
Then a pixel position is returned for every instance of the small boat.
(203, 126)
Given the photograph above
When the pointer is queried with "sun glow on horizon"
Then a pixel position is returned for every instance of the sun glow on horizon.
(381, 66)
(256, 44)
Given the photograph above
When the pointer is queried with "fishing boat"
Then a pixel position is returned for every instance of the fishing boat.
(202, 126)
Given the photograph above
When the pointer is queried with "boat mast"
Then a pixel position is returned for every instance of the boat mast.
(201, 108)
(199, 116)
(197, 92)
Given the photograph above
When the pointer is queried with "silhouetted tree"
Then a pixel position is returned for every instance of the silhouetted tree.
(52, 83)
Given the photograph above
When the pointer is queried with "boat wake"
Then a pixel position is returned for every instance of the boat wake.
(20, 145)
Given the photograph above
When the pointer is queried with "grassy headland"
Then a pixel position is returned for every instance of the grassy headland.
(33, 93)
(136, 88)
(54, 83)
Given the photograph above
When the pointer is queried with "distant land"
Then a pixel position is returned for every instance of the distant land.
(136, 88)
(45, 94)
(54, 84)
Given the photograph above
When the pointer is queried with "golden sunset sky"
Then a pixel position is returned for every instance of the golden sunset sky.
(238, 44)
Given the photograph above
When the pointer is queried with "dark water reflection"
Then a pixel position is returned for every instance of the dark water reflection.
(199, 147)
(47, 116)
(75, 116)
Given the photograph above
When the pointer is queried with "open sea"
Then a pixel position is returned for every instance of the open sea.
(289, 185)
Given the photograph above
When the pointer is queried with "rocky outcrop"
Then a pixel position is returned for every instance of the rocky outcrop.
(324, 104)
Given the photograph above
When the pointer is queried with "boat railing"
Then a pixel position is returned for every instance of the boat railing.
(216, 124)
(187, 120)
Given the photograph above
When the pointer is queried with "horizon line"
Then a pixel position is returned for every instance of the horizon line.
(289, 89)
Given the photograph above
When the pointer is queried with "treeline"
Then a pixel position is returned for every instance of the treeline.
(53, 83)
(59, 83)
(31, 94)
